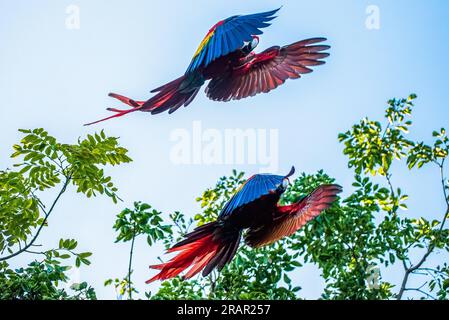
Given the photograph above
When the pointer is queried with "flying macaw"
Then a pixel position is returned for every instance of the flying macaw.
(226, 58)
(253, 208)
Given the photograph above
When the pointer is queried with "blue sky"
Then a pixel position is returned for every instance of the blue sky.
(58, 79)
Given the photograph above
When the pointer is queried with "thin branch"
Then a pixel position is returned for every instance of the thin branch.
(39, 202)
(180, 229)
(386, 130)
(130, 289)
(404, 264)
(428, 272)
(431, 246)
(446, 198)
(44, 222)
(34, 252)
(432, 270)
(393, 194)
(213, 281)
(428, 295)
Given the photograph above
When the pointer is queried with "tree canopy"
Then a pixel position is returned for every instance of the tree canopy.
(352, 244)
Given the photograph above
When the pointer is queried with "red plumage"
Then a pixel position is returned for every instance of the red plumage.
(226, 58)
(210, 244)
(213, 245)
(266, 71)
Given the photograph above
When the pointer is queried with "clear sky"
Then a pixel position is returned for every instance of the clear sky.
(57, 78)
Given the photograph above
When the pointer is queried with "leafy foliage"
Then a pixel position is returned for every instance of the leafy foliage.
(354, 241)
(131, 224)
(244, 278)
(40, 279)
(47, 165)
(371, 151)
(143, 220)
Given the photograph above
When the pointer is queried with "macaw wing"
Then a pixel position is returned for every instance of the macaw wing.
(255, 187)
(289, 219)
(229, 35)
(268, 70)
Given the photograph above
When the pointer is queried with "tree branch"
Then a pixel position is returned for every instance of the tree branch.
(130, 289)
(446, 198)
(431, 246)
(421, 291)
(44, 222)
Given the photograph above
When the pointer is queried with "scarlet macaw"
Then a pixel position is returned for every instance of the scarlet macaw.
(226, 58)
(255, 208)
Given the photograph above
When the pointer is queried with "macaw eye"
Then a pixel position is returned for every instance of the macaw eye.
(285, 183)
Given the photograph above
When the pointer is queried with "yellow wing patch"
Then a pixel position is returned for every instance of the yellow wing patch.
(204, 42)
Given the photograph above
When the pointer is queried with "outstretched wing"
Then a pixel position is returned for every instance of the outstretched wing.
(229, 35)
(268, 70)
(289, 219)
(255, 187)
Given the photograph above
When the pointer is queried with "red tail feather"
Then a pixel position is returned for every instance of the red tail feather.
(126, 100)
(169, 97)
(137, 105)
(203, 248)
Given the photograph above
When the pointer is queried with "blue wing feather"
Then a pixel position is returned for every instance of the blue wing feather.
(211, 48)
(264, 25)
(203, 56)
(254, 188)
(225, 50)
(230, 36)
(251, 29)
(241, 34)
(232, 43)
(200, 58)
(233, 39)
(263, 14)
(217, 46)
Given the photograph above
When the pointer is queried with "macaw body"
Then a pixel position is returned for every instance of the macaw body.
(226, 58)
(255, 210)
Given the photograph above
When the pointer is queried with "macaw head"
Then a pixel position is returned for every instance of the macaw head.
(254, 43)
(250, 46)
(286, 181)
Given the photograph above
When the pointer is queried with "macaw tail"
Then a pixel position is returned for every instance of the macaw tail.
(171, 97)
(206, 248)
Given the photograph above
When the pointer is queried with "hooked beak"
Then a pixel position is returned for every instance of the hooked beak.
(292, 172)
(255, 42)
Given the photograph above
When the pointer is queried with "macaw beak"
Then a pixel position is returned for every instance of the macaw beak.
(291, 173)
(255, 42)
